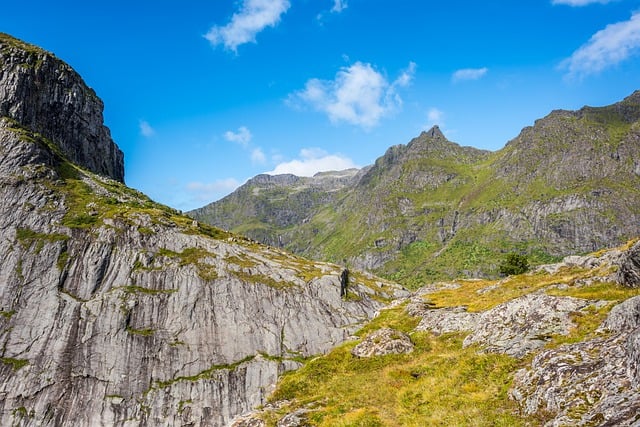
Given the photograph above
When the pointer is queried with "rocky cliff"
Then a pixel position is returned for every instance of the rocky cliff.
(47, 96)
(432, 209)
(115, 310)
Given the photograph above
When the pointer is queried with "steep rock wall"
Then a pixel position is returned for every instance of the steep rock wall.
(47, 96)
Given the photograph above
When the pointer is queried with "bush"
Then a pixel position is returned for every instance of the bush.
(514, 264)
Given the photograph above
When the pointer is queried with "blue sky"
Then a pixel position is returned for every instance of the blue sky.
(202, 95)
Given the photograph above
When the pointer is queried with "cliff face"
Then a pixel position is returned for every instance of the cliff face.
(115, 310)
(432, 209)
(47, 96)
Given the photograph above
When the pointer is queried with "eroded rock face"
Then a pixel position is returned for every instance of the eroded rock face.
(45, 95)
(382, 342)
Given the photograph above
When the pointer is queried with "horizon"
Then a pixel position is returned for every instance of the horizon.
(203, 97)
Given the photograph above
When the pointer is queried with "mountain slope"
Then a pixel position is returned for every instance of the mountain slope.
(265, 205)
(115, 310)
(432, 209)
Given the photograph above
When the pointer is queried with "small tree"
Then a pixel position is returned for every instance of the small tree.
(514, 264)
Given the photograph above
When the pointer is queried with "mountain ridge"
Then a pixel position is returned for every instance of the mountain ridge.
(568, 184)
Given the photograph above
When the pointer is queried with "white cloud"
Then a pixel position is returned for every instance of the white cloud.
(580, 2)
(145, 129)
(312, 161)
(242, 136)
(606, 48)
(359, 95)
(339, 6)
(258, 157)
(469, 74)
(208, 192)
(253, 17)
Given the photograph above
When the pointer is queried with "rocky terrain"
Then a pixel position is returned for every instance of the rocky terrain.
(568, 184)
(115, 310)
(556, 347)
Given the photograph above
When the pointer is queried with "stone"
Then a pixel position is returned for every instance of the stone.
(383, 342)
(628, 273)
(118, 311)
(524, 324)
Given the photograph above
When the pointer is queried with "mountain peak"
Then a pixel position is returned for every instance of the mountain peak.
(44, 95)
(434, 132)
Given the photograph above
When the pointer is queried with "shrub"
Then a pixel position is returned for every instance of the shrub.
(514, 264)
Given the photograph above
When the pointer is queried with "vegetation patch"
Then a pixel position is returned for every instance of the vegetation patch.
(145, 332)
(133, 289)
(27, 237)
(204, 375)
(440, 383)
(262, 279)
(14, 363)
(193, 256)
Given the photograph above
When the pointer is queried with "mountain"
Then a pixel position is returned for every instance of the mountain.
(115, 310)
(266, 204)
(432, 209)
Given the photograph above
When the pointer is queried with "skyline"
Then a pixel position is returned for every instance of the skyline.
(205, 96)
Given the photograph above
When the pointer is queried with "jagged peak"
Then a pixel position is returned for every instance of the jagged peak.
(434, 132)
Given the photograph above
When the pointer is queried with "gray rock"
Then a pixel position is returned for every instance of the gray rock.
(629, 268)
(524, 324)
(444, 320)
(383, 342)
(588, 383)
(44, 95)
(117, 311)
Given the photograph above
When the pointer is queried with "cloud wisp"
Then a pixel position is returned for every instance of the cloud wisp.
(253, 17)
(578, 3)
(469, 74)
(242, 137)
(145, 129)
(606, 48)
(339, 6)
(359, 95)
(312, 161)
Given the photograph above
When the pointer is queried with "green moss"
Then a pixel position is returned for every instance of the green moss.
(146, 332)
(27, 236)
(7, 314)
(132, 289)
(261, 279)
(15, 364)
(204, 375)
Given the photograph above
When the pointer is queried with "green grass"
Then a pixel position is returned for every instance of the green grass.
(440, 383)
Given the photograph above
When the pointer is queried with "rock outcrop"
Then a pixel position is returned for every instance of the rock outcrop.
(46, 96)
(589, 383)
(115, 310)
(382, 342)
